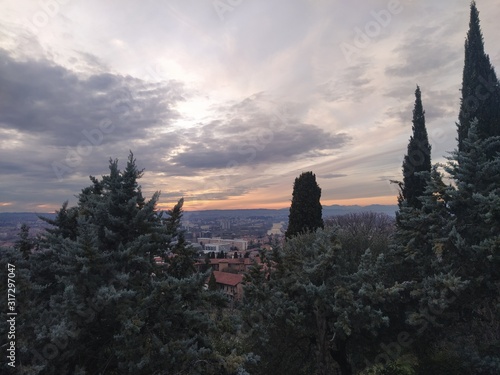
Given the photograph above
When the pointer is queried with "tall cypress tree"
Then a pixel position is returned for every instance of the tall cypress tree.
(305, 210)
(417, 160)
(474, 165)
(480, 86)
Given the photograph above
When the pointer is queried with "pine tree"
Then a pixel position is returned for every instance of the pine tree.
(417, 159)
(181, 264)
(64, 224)
(476, 205)
(14, 269)
(100, 304)
(480, 87)
(472, 248)
(24, 244)
(305, 210)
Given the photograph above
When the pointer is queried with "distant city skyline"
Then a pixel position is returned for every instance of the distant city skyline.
(223, 102)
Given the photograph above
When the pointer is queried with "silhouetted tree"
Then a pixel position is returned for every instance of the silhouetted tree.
(305, 210)
(417, 159)
(480, 87)
(24, 244)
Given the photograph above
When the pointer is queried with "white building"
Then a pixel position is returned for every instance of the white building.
(240, 244)
(216, 247)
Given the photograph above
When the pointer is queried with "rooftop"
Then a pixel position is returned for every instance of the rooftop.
(228, 278)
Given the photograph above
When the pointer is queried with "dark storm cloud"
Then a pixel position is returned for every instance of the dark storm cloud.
(47, 112)
(41, 98)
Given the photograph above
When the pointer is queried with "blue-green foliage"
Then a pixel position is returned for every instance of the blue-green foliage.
(97, 303)
(315, 308)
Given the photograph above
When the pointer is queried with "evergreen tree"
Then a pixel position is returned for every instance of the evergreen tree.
(212, 283)
(100, 304)
(24, 244)
(411, 245)
(417, 159)
(64, 224)
(475, 203)
(14, 269)
(182, 261)
(305, 210)
(475, 200)
(464, 231)
(480, 86)
(310, 310)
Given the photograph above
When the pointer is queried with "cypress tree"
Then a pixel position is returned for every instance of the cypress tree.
(410, 236)
(474, 165)
(417, 160)
(480, 86)
(305, 210)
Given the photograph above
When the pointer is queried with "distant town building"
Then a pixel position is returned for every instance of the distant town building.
(225, 224)
(216, 247)
(239, 244)
(230, 284)
(240, 265)
(276, 229)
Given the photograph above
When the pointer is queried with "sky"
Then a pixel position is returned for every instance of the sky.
(226, 102)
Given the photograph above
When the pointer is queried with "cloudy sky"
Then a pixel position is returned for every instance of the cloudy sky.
(225, 102)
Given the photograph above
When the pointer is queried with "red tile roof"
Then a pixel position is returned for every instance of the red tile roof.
(227, 278)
